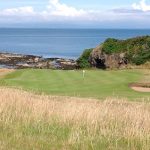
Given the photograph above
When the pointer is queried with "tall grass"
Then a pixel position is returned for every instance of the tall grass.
(33, 122)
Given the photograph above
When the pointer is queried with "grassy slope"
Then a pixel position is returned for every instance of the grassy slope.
(97, 84)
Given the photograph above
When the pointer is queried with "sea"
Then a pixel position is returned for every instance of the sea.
(59, 43)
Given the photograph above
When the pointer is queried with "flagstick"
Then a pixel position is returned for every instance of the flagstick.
(83, 74)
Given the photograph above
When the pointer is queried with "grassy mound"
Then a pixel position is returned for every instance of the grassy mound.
(30, 122)
(97, 84)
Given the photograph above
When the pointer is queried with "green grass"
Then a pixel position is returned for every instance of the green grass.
(96, 84)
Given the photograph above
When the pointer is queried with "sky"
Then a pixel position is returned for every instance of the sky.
(75, 13)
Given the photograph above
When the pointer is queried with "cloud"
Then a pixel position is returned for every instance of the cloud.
(21, 11)
(57, 13)
(136, 9)
(126, 11)
(54, 8)
(141, 6)
(18, 15)
(54, 11)
(59, 9)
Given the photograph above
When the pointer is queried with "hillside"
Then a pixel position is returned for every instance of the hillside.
(114, 53)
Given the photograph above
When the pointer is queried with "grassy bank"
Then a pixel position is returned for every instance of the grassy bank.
(30, 122)
(96, 84)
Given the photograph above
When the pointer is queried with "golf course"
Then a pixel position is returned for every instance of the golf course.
(94, 84)
(73, 110)
(74, 75)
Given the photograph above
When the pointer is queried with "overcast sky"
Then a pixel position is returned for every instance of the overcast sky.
(75, 13)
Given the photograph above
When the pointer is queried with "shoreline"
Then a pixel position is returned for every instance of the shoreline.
(21, 61)
(45, 56)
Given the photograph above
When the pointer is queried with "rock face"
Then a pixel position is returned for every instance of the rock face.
(97, 58)
(101, 60)
(18, 61)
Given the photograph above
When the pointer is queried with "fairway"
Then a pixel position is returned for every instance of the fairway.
(96, 84)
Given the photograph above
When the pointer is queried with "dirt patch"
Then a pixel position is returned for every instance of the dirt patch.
(140, 87)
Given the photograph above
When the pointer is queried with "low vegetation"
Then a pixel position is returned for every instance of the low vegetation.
(83, 60)
(29, 121)
(137, 49)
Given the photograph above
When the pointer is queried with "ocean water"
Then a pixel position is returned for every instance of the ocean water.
(64, 43)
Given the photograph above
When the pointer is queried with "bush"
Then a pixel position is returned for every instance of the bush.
(141, 58)
(137, 49)
(113, 45)
(83, 61)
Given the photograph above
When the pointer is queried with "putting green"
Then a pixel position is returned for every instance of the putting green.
(96, 84)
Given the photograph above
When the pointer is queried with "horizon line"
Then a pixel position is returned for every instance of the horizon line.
(75, 28)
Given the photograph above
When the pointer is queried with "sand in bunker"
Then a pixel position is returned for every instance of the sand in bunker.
(140, 89)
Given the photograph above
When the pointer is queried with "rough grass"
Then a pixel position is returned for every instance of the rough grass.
(33, 122)
(96, 84)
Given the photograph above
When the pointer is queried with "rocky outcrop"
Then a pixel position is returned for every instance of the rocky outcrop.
(97, 58)
(17, 61)
(115, 53)
(100, 59)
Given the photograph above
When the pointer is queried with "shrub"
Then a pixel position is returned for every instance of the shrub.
(113, 45)
(137, 49)
(141, 58)
(83, 60)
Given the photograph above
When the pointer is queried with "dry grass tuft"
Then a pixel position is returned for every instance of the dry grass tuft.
(29, 121)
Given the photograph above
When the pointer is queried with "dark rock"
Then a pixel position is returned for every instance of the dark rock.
(65, 64)
(97, 58)
(100, 59)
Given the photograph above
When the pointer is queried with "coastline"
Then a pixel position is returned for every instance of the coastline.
(21, 61)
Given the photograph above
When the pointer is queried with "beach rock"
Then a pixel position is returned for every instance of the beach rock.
(66, 64)
(24, 65)
(18, 61)
(17, 58)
